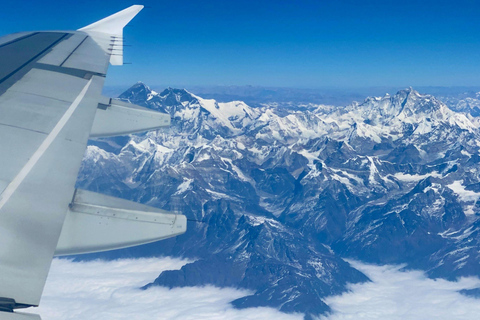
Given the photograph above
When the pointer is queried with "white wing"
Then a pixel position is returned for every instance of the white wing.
(50, 96)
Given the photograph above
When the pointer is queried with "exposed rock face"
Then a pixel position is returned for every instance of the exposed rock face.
(283, 195)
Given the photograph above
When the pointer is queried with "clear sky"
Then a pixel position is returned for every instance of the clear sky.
(280, 43)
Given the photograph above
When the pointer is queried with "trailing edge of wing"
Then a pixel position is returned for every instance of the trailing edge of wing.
(96, 222)
(108, 32)
(19, 316)
(115, 117)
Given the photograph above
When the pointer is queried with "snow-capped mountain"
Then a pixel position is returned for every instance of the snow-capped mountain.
(281, 195)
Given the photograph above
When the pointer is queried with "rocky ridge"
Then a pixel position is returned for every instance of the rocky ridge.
(283, 195)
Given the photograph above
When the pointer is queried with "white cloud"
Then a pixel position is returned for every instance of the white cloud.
(409, 295)
(110, 290)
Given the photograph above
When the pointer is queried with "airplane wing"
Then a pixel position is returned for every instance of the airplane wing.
(50, 104)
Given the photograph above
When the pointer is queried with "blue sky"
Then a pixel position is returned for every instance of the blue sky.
(280, 43)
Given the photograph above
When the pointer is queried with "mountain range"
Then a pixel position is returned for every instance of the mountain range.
(278, 197)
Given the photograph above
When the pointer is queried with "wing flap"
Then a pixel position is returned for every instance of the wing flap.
(116, 117)
(97, 222)
(19, 316)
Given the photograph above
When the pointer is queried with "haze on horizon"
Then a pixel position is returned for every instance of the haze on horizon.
(281, 43)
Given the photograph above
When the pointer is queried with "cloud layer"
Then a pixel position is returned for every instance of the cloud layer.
(109, 290)
(394, 294)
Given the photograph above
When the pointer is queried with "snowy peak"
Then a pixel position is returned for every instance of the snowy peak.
(414, 104)
(235, 115)
(139, 92)
(403, 105)
(405, 114)
(193, 115)
(388, 119)
(175, 97)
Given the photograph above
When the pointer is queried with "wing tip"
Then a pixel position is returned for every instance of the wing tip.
(114, 23)
(112, 26)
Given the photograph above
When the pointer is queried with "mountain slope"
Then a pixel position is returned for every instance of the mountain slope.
(281, 195)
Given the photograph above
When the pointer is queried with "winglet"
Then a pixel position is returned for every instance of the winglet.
(108, 32)
(114, 24)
